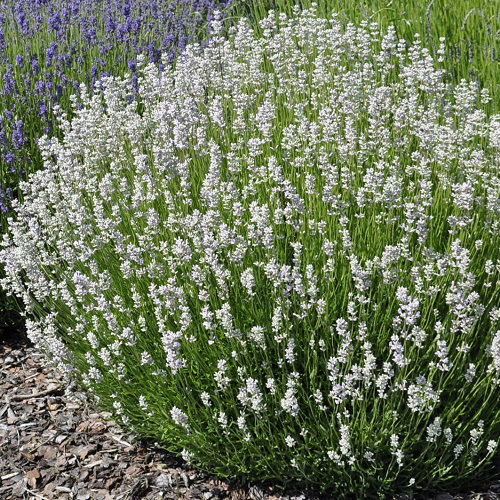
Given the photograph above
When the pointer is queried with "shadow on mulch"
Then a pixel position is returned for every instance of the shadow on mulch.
(14, 336)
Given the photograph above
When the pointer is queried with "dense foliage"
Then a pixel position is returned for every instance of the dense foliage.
(470, 27)
(282, 262)
(47, 47)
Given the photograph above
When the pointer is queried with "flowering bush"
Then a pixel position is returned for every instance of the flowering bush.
(282, 262)
(471, 28)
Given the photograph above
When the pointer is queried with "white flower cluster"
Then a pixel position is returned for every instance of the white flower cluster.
(284, 229)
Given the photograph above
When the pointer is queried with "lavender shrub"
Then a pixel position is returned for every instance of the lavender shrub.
(283, 265)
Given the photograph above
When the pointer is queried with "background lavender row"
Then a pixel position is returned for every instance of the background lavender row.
(47, 47)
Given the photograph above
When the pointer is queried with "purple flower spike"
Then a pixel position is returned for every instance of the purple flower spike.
(40, 87)
(9, 157)
(34, 65)
(43, 110)
(23, 22)
(90, 35)
(3, 137)
(52, 50)
(55, 21)
(9, 84)
(132, 66)
(110, 24)
(3, 46)
(18, 138)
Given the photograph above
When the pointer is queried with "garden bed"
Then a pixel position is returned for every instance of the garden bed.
(276, 257)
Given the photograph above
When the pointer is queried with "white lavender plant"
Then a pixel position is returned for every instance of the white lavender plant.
(283, 263)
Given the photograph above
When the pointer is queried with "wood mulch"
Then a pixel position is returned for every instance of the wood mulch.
(53, 445)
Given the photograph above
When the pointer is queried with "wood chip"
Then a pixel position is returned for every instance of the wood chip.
(50, 453)
(33, 474)
(93, 464)
(40, 394)
(32, 477)
(9, 476)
